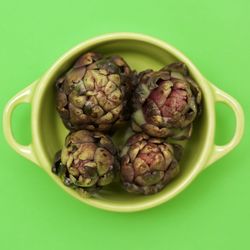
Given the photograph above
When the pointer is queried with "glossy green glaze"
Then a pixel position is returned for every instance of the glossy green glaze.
(141, 52)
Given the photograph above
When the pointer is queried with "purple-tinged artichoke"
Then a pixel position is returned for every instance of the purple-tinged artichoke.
(87, 162)
(148, 164)
(166, 102)
(94, 93)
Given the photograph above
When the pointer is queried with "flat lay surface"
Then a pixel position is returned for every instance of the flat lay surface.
(212, 213)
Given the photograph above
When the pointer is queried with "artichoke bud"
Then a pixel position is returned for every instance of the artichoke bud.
(93, 87)
(87, 161)
(172, 102)
(148, 164)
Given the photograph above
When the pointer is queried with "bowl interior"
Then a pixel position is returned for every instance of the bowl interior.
(140, 55)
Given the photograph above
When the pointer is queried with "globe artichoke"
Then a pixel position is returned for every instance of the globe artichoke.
(94, 93)
(166, 102)
(148, 164)
(87, 162)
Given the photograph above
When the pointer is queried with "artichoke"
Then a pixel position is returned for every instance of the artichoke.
(166, 102)
(148, 164)
(87, 162)
(94, 93)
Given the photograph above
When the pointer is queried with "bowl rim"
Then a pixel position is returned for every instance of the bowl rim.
(208, 100)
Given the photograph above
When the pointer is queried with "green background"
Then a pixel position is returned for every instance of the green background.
(213, 213)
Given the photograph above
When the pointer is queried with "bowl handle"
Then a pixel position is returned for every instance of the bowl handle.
(220, 151)
(24, 96)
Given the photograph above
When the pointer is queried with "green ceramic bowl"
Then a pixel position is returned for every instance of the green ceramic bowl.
(141, 52)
